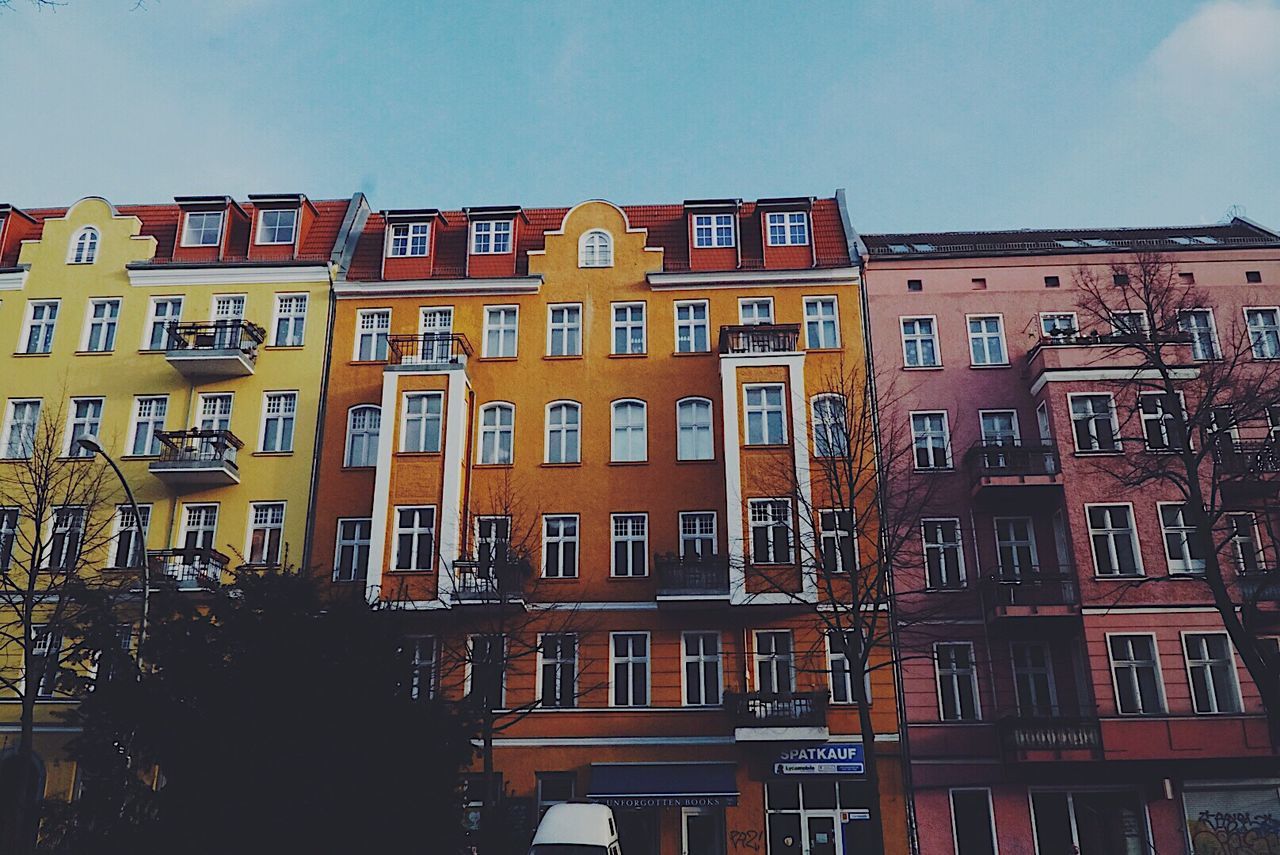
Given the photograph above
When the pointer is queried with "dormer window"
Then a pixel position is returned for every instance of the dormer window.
(595, 249)
(84, 246)
(277, 225)
(409, 240)
(712, 230)
(491, 237)
(202, 228)
(790, 228)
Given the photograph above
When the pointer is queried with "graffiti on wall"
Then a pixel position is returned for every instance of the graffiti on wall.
(747, 839)
(1238, 833)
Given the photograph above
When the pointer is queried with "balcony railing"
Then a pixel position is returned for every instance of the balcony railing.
(483, 582)
(234, 334)
(777, 709)
(428, 349)
(1074, 338)
(992, 459)
(1245, 458)
(189, 569)
(692, 576)
(197, 446)
(1260, 586)
(1031, 585)
(1070, 731)
(761, 338)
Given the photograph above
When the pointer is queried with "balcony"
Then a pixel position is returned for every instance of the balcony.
(1017, 594)
(189, 569)
(1073, 351)
(691, 579)
(1260, 586)
(1247, 468)
(478, 583)
(778, 716)
(758, 339)
(427, 351)
(213, 350)
(1066, 735)
(196, 459)
(1012, 470)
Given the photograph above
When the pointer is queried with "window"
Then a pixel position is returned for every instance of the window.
(1120, 278)
(424, 652)
(8, 536)
(693, 428)
(697, 534)
(491, 237)
(276, 226)
(1253, 276)
(560, 546)
(1264, 332)
(493, 540)
(202, 228)
(563, 421)
(415, 538)
(915, 284)
(595, 249)
(165, 312)
(766, 415)
(351, 556)
(46, 654)
(20, 428)
(842, 660)
(920, 343)
(422, 419)
(943, 553)
(755, 311)
(409, 240)
(628, 328)
(42, 319)
(199, 526)
(1212, 669)
(837, 544)
(372, 328)
(1129, 323)
(1244, 542)
(215, 411)
(86, 420)
(148, 422)
(558, 669)
(770, 521)
(973, 822)
(277, 422)
(266, 529)
(1198, 323)
(931, 440)
(1184, 550)
(700, 655)
(692, 327)
(630, 443)
(291, 319)
(629, 660)
(775, 661)
(66, 538)
(1058, 324)
(363, 424)
(1115, 542)
(957, 681)
(1135, 669)
(1093, 423)
(100, 333)
(1033, 683)
(555, 788)
(84, 246)
(497, 432)
(501, 326)
(488, 671)
(564, 330)
(1052, 281)
(712, 230)
(127, 549)
(630, 545)
(830, 429)
(788, 229)
(820, 326)
(998, 427)
(986, 340)
(1016, 549)
(1163, 422)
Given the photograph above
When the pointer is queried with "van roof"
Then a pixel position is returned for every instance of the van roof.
(576, 823)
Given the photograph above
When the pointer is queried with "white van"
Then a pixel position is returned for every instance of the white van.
(576, 828)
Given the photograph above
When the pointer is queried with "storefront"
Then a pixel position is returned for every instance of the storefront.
(642, 794)
(1226, 818)
(817, 801)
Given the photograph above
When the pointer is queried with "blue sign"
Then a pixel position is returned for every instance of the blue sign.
(834, 758)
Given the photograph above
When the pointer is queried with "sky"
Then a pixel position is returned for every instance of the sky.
(937, 115)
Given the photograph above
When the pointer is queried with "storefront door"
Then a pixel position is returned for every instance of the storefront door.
(702, 831)
(1103, 822)
(808, 817)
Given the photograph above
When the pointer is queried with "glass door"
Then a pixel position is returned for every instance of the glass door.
(702, 831)
(228, 312)
(436, 330)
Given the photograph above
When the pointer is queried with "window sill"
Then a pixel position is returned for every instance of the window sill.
(394, 572)
(1078, 453)
(557, 578)
(567, 465)
(271, 453)
(94, 353)
(496, 358)
(359, 468)
(961, 589)
(139, 457)
(695, 461)
(836, 349)
(937, 470)
(147, 351)
(494, 465)
(367, 362)
(1119, 577)
(922, 367)
(24, 354)
(628, 462)
(692, 353)
(405, 454)
(1186, 575)
(992, 365)
(560, 357)
(643, 578)
(767, 446)
(284, 347)
(628, 355)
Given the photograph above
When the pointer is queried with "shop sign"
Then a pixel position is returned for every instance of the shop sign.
(834, 758)
(667, 801)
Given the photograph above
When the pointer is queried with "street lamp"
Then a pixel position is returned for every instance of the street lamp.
(88, 442)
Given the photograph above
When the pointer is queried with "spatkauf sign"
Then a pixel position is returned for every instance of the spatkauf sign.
(836, 758)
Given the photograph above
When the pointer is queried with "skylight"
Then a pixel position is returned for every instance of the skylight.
(1096, 242)
(1069, 244)
(923, 247)
(1205, 239)
(1184, 241)
(899, 247)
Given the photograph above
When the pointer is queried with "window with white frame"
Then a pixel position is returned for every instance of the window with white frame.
(1211, 666)
(199, 526)
(770, 523)
(555, 788)
(973, 821)
(821, 326)
(100, 328)
(558, 669)
(629, 666)
(628, 328)
(1114, 540)
(8, 536)
(215, 411)
(1135, 669)
(415, 538)
(372, 328)
(986, 340)
(501, 330)
(1183, 548)
(694, 439)
(920, 343)
(266, 533)
(700, 656)
(842, 666)
(830, 426)
(423, 412)
(789, 228)
(697, 534)
(291, 320)
(564, 420)
(1033, 683)
(487, 669)
(1198, 323)
(766, 414)
(1163, 422)
(693, 331)
(1245, 545)
(202, 228)
(128, 550)
(491, 237)
(560, 546)
(755, 311)
(363, 424)
(409, 240)
(493, 541)
(1094, 424)
(351, 553)
(1058, 324)
(66, 538)
(42, 320)
(836, 541)
(164, 313)
(931, 440)
(595, 249)
(277, 225)
(1016, 555)
(712, 230)
(1125, 323)
(148, 421)
(46, 656)
(630, 442)
(84, 246)
(1264, 332)
(86, 420)
(497, 433)
(278, 413)
(775, 661)
(957, 681)
(564, 330)
(20, 422)
(424, 666)
(943, 553)
(630, 545)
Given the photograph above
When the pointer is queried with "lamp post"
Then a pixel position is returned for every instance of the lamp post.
(90, 443)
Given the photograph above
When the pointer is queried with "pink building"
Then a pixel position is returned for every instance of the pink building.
(1066, 680)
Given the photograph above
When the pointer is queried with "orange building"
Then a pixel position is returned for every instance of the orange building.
(571, 445)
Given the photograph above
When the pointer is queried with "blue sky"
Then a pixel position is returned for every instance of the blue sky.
(945, 114)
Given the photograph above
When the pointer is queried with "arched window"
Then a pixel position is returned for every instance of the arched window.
(84, 246)
(363, 423)
(693, 429)
(830, 426)
(497, 430)
(563, 421)
(630, 440)
(595, 249)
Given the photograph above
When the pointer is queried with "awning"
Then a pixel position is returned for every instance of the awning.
(664, 784)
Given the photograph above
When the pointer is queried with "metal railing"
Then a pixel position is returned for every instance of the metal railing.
(1030, 585)
(428, 349)
(1260, 586)
(760, 338)
(216, 335)
(1057, 247)
(692, 575)
(988, 459)
(777, 709)
(189, 569)
(1075, 338)
(1074, 730)
(196, 445)
(1246, 457)
(481, 581)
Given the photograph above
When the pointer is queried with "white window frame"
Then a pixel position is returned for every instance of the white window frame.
(696, 531)
(492, 230)
(614, 427)
(832, 656)
(291, 415)
(773, 662)
(789, 221)
(631, 659)
(424, 420)
(1249, 329)
(630, 538)
(411, 232)
(556, 664)
(763, 410)
(755, 303)
(698, 429)
(560, 543)
(211, 510)
(187, 230)
(110, 325)
(503, 662)
(1044, 316)
(260, 231)
(823, 427)
(501, 328)
(1165, 419)
(1234, 688)
(355, 545)
(1115, 423)
(819, 301)
(415, 532)
(373, 333)
(51, 533)
(943, 546)
(692, 325)
(991, 814)
(209, 410)
(628, 326)
(496, 430)
(562, 432)
(149, 331)
(27, 442)
(267, 526)
(771, 523)
(986, 337)
(837, 534)
(1030, 544)
(1215, 348)
(956, 675)
(294, 318)
(566, 328)
(151, 423)
(1255, 538)
(699, 660)
(48, 327)
(1163, 705)
(1184, 533)
(122, 524)
(1016, 670)
(589, 249)
(1133, 529)
(10, 518)
(84, 245)
(949, 461)
(713, 224)
(419, 664)
(371, 437)
(919, 338)
(70, 449)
